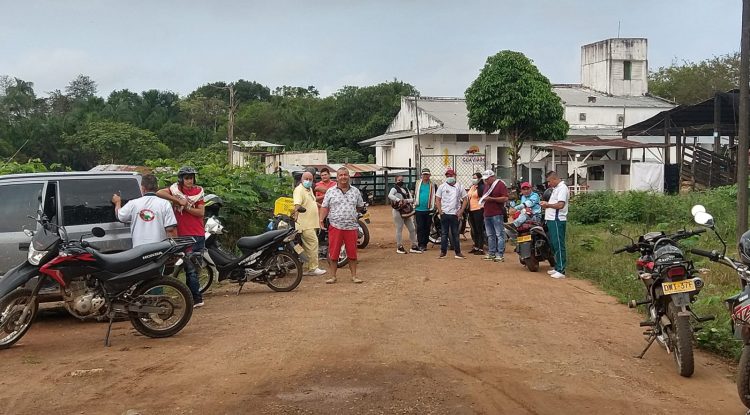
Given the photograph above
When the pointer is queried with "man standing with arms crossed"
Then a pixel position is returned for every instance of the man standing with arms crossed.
(556, 216)
(189, 208)
(307, 222)
(451, 203)
(340, 205)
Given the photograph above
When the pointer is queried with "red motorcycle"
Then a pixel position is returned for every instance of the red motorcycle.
(96, 285)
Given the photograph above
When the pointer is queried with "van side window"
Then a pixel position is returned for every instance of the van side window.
(89, 201)
(18, 202)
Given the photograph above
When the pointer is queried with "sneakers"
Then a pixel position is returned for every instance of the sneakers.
(357, 280)
(499, 259)
(400, 250)
(316, 272)
(479, 252)
(442, 255)
(552, 271)
(489, 257)
(199, 305)
(460, 256)
(415, 250)
(331, 280)
(558, 275)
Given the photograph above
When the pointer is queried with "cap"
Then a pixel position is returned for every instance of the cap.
(487, 174)
(450, 173)
(525, 185)
(426, 171)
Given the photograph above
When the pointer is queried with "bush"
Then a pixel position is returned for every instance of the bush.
(248, 195)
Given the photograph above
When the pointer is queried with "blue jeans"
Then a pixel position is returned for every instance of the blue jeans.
(449, 228)
(494, 226)
(191, 274)
(523, 217)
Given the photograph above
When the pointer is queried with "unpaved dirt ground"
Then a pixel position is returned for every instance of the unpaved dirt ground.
(420, 336)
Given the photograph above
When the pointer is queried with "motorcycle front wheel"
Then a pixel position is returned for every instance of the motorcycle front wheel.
(12, 327)
(680, 335)
(284, 272)
(171, 294)
(743, 376)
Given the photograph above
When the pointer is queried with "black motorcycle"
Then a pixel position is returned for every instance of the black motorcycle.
(271, 258)
(739, 304)
(95, 285)
(532, 244)
(672, 284)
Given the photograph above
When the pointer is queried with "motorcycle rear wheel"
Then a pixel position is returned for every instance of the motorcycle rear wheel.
(287, 270)
(363, 240)
(743, 376)
(680, 334)
(167, 292)
(11, 308)
(531, 263)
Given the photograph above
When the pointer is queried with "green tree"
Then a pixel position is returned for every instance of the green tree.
(105, 142)
(512, 98)
(80, 88)
(693, 82)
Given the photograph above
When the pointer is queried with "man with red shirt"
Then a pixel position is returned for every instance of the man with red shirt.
(189, 208)
(323, 185)
(493, 200)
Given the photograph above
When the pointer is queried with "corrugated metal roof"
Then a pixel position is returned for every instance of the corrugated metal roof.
(121, 167)
(578, 96)
(254, 143)
(593, 144)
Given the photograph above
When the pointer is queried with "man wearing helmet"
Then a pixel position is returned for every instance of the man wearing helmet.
(189, 208)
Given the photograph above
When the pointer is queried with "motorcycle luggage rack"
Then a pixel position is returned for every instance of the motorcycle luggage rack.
(182, 240)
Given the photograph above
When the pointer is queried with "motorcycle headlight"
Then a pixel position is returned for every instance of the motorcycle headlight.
(35, 256)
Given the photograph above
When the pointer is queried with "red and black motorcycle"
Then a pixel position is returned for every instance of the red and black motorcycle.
(129, 283)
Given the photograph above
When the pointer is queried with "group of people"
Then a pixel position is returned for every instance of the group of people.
(177, 210)
(487, 200)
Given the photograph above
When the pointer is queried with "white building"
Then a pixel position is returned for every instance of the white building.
(439, 126)
(273, 157)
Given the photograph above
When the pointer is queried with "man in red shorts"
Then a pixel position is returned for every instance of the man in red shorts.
(340, 205)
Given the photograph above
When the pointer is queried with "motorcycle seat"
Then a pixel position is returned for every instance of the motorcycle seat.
(254, 242)
(133, 258)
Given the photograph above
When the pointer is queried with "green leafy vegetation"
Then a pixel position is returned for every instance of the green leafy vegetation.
(590, 242)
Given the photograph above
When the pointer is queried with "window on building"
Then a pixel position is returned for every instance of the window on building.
(582, 116)
(411, 125)
(625, 169)
(620, 119)
(627, 70)
(19, 202)
(462, 138)
(595, 172)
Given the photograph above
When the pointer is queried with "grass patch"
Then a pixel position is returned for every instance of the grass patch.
(590, 247)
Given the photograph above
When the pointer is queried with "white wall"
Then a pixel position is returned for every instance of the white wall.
(297, 158)
(405, 119)
(607, 116)
(602, 66)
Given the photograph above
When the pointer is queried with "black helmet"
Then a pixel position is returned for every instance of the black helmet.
(185, 171)
(744, 248)
(213, 204)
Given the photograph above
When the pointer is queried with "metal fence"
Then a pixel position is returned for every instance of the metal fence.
(379, 185)
(465, 165)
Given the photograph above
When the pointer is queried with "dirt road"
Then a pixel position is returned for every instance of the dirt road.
(420, 336)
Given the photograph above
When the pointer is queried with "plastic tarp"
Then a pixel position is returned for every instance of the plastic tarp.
(647, 176)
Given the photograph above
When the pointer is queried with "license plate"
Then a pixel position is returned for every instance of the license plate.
(525, 238)
(678, 287)
(298, 249)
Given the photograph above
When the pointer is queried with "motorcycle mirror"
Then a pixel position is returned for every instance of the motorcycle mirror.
(697, 209)
(98, 232)
(705, 219)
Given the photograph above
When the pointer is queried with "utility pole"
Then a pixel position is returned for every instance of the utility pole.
(230, 128)
(742, 151)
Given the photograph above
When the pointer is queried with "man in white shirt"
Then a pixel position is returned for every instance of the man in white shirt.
(556, 216)
(151, 217)
(450, 200)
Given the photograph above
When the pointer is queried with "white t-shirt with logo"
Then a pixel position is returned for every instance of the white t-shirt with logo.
(148, 215)
(559, 194)
(451, 197)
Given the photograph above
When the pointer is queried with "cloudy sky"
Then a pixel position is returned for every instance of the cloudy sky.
(438, 46)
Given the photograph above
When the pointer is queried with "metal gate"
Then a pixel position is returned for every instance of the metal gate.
(465, 165)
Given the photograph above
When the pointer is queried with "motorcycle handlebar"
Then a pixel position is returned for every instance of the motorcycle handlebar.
(621, 250)
(712, 255)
